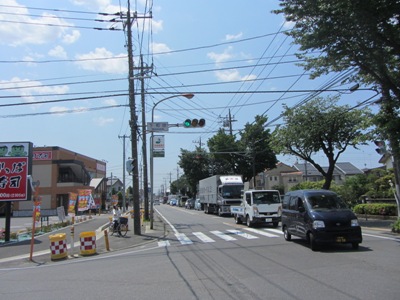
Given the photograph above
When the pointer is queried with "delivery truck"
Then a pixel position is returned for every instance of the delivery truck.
(258, 207)
(217, 193)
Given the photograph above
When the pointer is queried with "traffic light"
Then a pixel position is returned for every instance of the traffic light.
(130, 165)
(194, 123)
(381, 147)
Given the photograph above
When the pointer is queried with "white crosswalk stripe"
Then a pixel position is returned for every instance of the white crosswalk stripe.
(203, 237)
(261, 232)
(278, 231)
(183, 239)
(223, 235)
(243, 234)
(229, 235)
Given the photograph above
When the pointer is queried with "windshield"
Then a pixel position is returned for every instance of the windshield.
(232, 191)
(266, 197)
(325, 202)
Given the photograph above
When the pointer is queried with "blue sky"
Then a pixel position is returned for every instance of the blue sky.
(233, 55)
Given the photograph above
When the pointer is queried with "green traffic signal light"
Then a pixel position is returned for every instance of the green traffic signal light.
(195, 123)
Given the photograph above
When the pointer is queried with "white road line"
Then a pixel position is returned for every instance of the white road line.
(164, 244)
(278, 231)
(223, 235)
(183, 239)
(261, 232)
(243, 234)
(203, 237)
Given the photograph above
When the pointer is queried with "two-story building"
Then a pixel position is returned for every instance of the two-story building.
(59, 172)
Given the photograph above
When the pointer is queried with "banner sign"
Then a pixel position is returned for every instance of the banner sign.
(158, 146)
(71, 203)
(84, 199)
(15, 167)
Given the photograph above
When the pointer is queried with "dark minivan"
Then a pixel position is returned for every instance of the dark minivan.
(320, 217)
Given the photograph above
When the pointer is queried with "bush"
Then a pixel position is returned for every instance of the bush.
(382, 209)
(396, 226)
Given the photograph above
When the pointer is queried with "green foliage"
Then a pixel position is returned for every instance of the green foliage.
(320, 125)
(247, 157)
(383, 209)
(396, 226)
(308, 185)
(360, 36)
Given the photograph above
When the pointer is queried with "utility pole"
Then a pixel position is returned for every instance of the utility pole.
(198, 142)
(227, 122)
(134, 127)
(144, 145)
(123, 173)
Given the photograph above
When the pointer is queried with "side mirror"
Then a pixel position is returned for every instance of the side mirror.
(302, 209)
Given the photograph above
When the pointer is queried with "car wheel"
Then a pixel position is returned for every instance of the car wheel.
(286, 234)
(238, 220)
(313, 243)
(354, 246)
(248, 221)
(219, 211)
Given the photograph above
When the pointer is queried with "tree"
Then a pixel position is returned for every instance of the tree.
(320, 125)
(195, 165)
(255, 141)
(223, 152)
(360, 35)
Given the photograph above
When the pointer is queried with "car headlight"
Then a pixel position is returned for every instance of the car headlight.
(354, 223)
(255, 210)
(279, 213)
(318, 224)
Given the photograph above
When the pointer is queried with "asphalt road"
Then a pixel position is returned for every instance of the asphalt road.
(208, 257)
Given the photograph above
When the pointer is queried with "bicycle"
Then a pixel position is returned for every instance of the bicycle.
(122, 227)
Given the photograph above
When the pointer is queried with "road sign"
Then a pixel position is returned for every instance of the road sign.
(157, 126)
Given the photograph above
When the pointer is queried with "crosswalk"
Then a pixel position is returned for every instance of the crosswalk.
(227, 235)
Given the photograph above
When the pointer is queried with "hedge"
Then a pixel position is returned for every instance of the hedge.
(383, 209)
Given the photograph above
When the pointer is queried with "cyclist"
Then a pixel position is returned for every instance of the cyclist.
(116, 214)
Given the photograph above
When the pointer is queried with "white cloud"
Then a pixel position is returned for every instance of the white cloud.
(101, 121)
(58, 52)
(29, 89)
(71, 38)
(110, 102)
(221, 57)
(160, 48)
(102, 60)
(28, 30)
(230, 37)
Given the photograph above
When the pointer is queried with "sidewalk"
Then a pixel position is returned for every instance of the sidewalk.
(17, 253)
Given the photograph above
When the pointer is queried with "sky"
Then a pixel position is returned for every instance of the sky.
(64, 76)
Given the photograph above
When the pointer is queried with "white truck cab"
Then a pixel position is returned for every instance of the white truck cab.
(258, 207)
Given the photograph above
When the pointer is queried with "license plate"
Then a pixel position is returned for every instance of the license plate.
(268, 220)
(340, 239)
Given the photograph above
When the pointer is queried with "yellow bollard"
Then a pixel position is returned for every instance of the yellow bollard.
(88, 243)
(58, 246)
(106, 240)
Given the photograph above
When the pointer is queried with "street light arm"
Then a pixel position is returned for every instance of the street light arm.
(187, 96)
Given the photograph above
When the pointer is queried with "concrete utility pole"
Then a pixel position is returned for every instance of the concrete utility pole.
(123, 173)
(134, 127)
(144, 143)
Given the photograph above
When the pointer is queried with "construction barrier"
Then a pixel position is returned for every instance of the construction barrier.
(88, 243)
(58, 246)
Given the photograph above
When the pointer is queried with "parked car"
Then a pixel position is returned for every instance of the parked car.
(173, 202)
(320, 217)
(156, 202)
(190, 203)
(197, 204)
